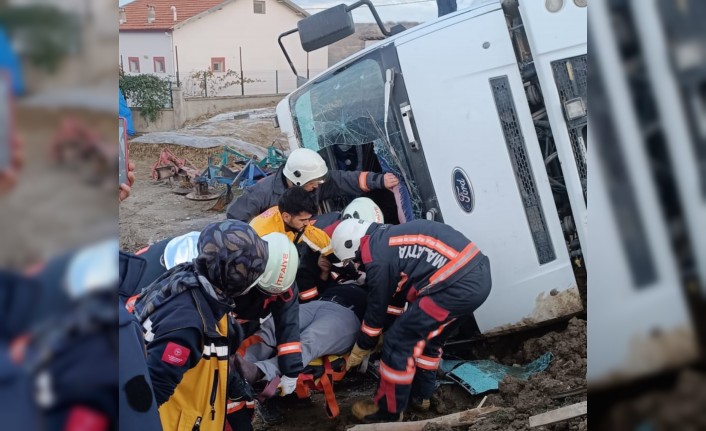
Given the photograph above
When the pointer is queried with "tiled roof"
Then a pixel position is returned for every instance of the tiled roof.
(136, 13)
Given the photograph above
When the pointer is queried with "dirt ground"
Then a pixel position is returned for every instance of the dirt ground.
(518, 399)
(153, 212)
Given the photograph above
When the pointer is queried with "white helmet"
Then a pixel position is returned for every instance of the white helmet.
(304, 165)
(181, 249)
(92, 269)
(282, 264)
(346, 237)
(364, 209)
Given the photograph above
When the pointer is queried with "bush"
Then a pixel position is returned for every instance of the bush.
(148, 92)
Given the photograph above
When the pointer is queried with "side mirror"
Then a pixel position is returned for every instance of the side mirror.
(326, 27)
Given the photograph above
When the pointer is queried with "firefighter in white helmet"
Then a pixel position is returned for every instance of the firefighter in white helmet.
(306, 168)
(443, 277)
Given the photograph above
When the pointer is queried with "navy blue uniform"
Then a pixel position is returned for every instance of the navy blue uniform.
(267, 192)
(138, 408)
(148, 262)
(74, 361)
(17, 295)
(442, 275)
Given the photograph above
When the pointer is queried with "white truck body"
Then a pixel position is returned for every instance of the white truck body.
(459, 112)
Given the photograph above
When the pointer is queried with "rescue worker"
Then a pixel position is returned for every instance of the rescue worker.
(444, 278)
(137, 404)
(17, 299)
(306, 168)
(73, 356)
(360, 208)
(183, 318)
(292, 216)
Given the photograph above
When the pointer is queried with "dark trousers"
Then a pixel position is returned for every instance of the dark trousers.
(412, 345)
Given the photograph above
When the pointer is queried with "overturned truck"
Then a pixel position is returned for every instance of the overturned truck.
(482, 115)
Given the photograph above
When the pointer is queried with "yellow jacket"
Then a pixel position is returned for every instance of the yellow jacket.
(271, 221)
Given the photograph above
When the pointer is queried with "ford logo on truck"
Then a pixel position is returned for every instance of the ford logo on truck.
(463, 190)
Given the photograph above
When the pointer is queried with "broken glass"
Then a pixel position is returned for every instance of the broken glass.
(347, 107)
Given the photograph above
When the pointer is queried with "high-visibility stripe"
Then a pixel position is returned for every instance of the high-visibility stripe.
(427, 241)
(288, 348)
(130, 304)
(454, 265)
(142, 250)
(396, 377)
(218, 351)
(311, 244)
(253, 339)
(439, 330)
(147, 326)
(428, 363)
(250, 404)
(395, 311)
(372, 332)
(235, 406)
(308, 294)
(363, 181)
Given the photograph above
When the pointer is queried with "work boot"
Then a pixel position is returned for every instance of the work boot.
(420, 404)
(269, 412)
(368, 412)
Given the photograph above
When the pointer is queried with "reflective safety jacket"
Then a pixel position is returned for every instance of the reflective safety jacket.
(406, 263)
(187, 358)
(312, 243)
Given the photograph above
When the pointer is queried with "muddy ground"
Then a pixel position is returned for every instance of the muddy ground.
(153, 212)
(518, 399)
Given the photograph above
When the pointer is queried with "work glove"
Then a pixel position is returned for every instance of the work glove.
(356, 357)
(287, 385)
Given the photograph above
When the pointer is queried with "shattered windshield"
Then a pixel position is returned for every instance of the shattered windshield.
(348, 108)
(340, 109)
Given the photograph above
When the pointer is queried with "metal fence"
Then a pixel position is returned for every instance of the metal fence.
(209, 84)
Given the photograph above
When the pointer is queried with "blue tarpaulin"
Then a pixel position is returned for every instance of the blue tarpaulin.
(485, 375)
(124, 111)
(11, 64)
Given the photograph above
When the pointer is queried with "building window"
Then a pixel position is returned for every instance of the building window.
(159, 65)
(218, 64)
(259, 6)
(134, 64)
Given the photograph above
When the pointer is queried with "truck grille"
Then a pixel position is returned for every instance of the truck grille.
(523, 170)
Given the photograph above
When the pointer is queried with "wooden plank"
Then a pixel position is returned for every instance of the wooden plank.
(558, 415)
(454, 419)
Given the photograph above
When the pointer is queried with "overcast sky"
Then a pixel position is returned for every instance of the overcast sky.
(389, 10)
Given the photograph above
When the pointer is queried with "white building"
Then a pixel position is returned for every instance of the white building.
(164, 37)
